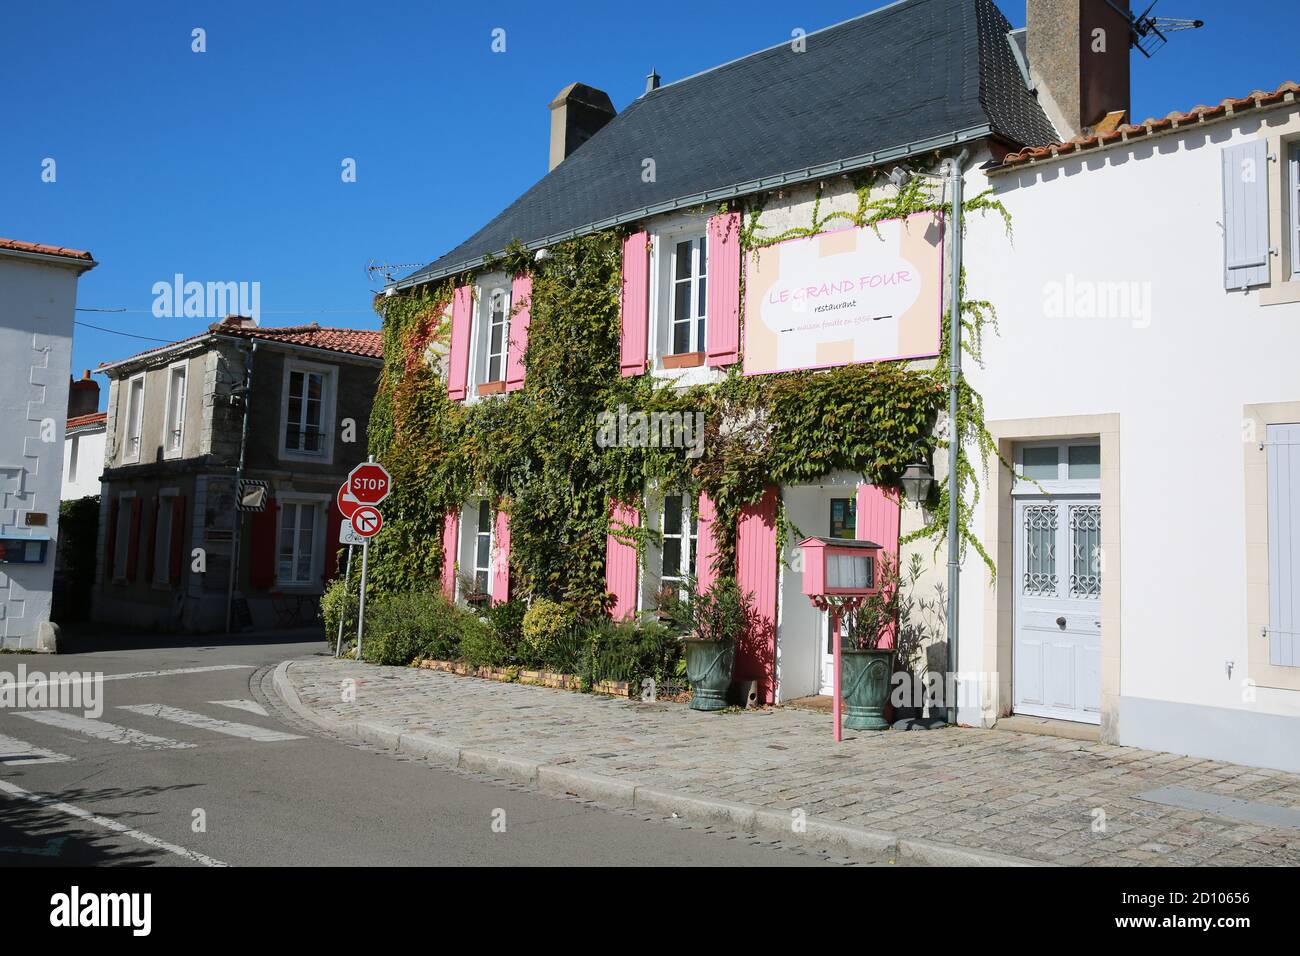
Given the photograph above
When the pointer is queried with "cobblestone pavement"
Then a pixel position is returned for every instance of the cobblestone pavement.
(1023, 795)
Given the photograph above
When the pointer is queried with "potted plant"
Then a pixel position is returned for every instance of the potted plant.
(866, 666)
(713, 622)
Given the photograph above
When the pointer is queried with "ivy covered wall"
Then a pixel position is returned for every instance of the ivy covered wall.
(535, 454)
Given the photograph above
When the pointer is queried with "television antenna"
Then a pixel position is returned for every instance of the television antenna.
(1147, 33)
(387, 269)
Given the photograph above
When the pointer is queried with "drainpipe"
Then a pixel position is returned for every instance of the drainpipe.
(239, 480)
(954, 439)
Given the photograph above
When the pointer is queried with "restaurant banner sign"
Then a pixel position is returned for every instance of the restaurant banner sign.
(847, 296)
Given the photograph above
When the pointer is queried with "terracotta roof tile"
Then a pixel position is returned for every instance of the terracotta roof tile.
(18, 245)
(368, 343)
(1257, 99)
(82, 421)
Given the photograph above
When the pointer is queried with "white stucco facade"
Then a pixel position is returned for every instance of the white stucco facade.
(37, 297)
(1114, 321)
(83, 463)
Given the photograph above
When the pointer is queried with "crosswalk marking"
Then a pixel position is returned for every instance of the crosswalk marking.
(20, 752)
(89, 678)
(252, 706)
(191, 719)
(101, 730)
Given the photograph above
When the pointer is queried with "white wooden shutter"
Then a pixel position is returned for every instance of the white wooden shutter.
(1245, 214)
(1284, 545)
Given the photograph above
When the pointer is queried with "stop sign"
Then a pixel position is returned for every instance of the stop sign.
(369, 483)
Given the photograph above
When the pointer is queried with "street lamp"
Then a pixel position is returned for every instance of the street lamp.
(917, 482)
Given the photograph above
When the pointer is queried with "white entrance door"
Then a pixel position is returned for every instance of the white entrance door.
(1057, 654)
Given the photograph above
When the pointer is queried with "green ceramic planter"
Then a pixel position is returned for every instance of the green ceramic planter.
(864, 685)
(708, 668)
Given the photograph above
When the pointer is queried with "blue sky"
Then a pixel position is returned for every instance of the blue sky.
(225, 166)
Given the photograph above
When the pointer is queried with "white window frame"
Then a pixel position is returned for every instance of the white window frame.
(467, 536)
(664, 237)
(480, 506)
(122, 536)
(329, 398)
(133, 436)
(183, 367)
(503, 294)
(696, 283)
(650, 574)
(288, 500)
(480, 333)
(162, 544)
(1062, 484)
(1293, 188)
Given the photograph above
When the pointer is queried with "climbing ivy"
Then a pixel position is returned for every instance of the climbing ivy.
(534, 452)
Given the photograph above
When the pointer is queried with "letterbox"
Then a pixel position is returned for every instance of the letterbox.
(838, 566)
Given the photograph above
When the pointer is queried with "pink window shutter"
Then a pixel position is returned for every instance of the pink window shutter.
(724, 289)
(636, 304)
(450, 536)
(756, 573)
(878, 519)
(705, 549)
(621, 563)
(501, 560)
(521, 291)
(462, 313)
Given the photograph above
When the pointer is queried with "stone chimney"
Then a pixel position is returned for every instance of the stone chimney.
(577, 113)
(83, 395)
(1078, 52)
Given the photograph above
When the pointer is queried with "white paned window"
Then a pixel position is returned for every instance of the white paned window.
(308, 410)
(162, 541)
(134, 418)
(498, 331)
(1293, 183)
(297, 550)
(679, 530)
(483, 549)
(688, 295)
(174, 426)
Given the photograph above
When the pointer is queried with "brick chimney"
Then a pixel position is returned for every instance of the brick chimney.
(1078, 52)
(577, 113)
(83, 395)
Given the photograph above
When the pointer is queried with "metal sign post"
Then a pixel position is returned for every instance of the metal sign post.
(361, 605)
(347, 575)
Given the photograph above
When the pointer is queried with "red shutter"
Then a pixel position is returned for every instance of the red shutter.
(110, 540)
(450, 534)
(133, 542)
(176, 553)
(723, 332)
(621, 563)
(878, 516)
(262, 548)
(636, 303)
(521, 291)
(333, 520)
(705, 548)
(756, 573)
(462, 311)
(151, 545)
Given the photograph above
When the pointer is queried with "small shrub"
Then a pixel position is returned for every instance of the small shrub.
(481, 646)
(545, 623)
(338, 602)
(506, 619)
(404, 627)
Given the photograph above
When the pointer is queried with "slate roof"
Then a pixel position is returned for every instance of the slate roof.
(1287, 92)
(906, 78)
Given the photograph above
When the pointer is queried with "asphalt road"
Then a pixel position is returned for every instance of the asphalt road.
(200, 765)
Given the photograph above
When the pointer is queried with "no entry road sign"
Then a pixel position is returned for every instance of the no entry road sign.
(369, 483)
(347, 504)
(366, 521)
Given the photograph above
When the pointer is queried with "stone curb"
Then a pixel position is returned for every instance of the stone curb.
(559, 779)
